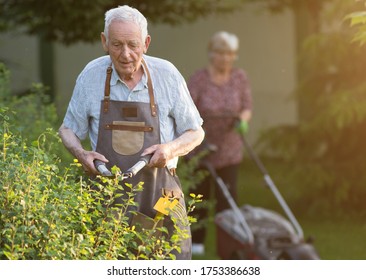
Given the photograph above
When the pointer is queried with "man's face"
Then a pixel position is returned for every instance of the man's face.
(125, 47)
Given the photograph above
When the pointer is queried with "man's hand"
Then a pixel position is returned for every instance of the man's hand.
(161, 154)
(87, 158)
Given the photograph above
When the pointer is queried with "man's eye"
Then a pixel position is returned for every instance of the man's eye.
(133, 45)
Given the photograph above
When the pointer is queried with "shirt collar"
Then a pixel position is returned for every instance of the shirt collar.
(140, 85)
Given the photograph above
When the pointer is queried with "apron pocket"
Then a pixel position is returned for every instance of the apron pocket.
(127, 142)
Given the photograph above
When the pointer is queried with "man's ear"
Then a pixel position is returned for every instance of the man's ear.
(147, 43)
(104, 42)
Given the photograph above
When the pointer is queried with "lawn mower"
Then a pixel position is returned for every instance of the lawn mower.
(255, 232)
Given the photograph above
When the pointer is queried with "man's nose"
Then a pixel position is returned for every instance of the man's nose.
(125, 52)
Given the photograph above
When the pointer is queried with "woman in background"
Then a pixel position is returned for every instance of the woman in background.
(222, 95)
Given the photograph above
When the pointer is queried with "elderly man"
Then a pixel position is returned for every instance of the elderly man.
(132, 105)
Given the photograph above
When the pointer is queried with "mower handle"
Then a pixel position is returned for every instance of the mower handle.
(224, 189)
(267, 178)
(271, 185)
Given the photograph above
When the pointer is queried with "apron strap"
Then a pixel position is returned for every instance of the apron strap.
(149, 85)
(150, 88)
(107, 90)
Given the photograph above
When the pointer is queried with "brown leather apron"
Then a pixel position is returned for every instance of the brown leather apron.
(126, 129)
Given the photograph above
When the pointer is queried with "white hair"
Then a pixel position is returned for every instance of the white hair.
(223, 40)
(126, 13)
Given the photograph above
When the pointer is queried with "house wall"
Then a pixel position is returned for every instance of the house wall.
(20, 54)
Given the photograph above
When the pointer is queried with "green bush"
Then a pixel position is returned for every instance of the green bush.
(47, 213)
(32, 113)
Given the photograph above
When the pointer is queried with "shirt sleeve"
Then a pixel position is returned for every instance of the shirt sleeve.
(76, 117)
(184, 110)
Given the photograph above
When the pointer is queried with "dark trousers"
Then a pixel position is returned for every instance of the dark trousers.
(207, 188)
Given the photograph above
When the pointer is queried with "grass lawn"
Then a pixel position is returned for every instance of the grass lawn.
(335, 238)
(338, 239)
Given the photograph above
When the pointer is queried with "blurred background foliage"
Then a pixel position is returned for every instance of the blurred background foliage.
(326, 146)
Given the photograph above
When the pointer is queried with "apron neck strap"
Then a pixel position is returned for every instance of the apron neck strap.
(150, 89)
(107, 89)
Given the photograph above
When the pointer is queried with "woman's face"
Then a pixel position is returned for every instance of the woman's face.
(222, 59)
(125, 47)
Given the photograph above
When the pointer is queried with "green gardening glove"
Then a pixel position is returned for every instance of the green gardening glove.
(242, 127)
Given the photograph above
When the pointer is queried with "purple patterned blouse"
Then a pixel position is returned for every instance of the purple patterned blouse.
(218, 105)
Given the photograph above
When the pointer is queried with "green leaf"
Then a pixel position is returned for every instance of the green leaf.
(357, 18)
